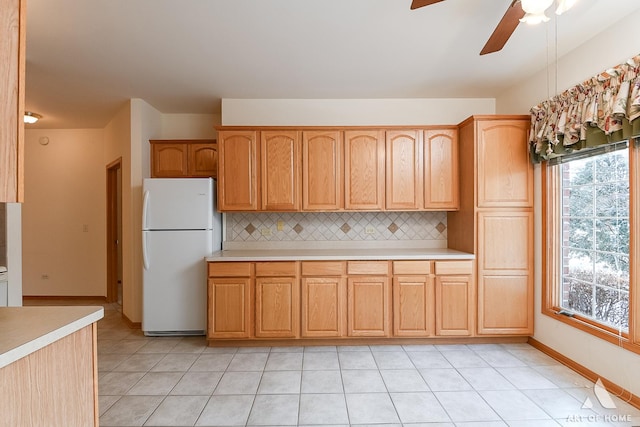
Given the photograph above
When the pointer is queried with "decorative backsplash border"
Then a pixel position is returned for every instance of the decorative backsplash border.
(336, 226)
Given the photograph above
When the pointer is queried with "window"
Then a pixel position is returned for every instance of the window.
(591, 255)
(594, 237)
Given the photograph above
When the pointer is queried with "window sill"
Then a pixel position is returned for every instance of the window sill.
(621, 341)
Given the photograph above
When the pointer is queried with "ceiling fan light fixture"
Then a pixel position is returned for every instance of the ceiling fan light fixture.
(534, 18)
(534, 11)
(31, 118)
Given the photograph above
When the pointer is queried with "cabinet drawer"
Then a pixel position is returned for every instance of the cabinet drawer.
(265, 269)
(229, 269)
(412, 267)
(454, 267)
(368, 267)
(323, 268)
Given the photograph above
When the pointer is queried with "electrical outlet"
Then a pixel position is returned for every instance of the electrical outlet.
(85, 228)
(370, 229)
(45, 277)
(280, 225)
(266, 232)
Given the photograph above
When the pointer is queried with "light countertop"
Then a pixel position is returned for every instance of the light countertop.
(338, 255)
(24, 330)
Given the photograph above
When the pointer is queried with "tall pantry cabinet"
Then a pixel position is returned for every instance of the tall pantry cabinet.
(496, 201)
(12, 65)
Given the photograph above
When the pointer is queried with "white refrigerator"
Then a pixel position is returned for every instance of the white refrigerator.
(180, 227)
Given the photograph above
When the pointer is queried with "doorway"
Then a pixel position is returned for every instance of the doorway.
(114, 231)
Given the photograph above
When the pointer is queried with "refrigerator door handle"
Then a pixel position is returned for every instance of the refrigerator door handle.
(145, 207)
(145, 256)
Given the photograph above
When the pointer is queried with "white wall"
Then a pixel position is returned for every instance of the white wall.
(65, 189)
(117, 146)
(146, 124)
(609, 48)
(352, 112)
(63, 215)
(14, 253)
(190, 126)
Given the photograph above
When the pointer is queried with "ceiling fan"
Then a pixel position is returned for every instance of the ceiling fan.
(529, 11)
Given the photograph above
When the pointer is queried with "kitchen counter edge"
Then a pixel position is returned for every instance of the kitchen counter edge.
(338, 255)
(25, 330)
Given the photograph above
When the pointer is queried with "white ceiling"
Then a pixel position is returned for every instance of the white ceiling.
(86, 58)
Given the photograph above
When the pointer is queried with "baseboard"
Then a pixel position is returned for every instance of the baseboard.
(130, 324)
(101, 299)
(611, 387)
(268, 342)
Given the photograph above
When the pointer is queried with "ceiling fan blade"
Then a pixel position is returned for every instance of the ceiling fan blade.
(421, 3)
(505, 28)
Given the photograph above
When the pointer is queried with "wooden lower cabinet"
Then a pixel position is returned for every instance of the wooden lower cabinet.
(413, 314)
(53, 386)
(454, 305)
(229, 312)
(375, 299)
(277, 304)
(368, 306)
(504, 305)
(505, 272)
(323, 307)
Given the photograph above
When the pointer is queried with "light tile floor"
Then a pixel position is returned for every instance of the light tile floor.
(182, 382)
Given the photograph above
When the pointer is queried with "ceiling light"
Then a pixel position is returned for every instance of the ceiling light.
(534, 11)
(564, 5)
(30, 117)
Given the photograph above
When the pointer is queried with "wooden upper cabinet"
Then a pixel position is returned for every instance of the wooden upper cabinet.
(168, 160)
(12, 51)
(441, 187)
(184, 158)
(238, 170)
(322, 170)
(280, 170)
(404, 179)
(505, 173)
(364, 174)
(203, 159)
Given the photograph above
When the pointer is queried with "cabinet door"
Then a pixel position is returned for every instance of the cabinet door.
(505, 272)
(203, 160)
(404, 169)
(280, 170)
(322, 170)
(323, 306)
(441, 188)
(413, 306)
(364, 173)
(229, 312)
(169, 160)
(277, 307)
(505, 173)
(454, 305)
(368, 306)
(237, 171)
(13, 17)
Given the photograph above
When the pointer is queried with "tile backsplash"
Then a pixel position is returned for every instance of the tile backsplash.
(336, 226)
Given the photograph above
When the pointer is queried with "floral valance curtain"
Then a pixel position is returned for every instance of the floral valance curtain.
(601, 110)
